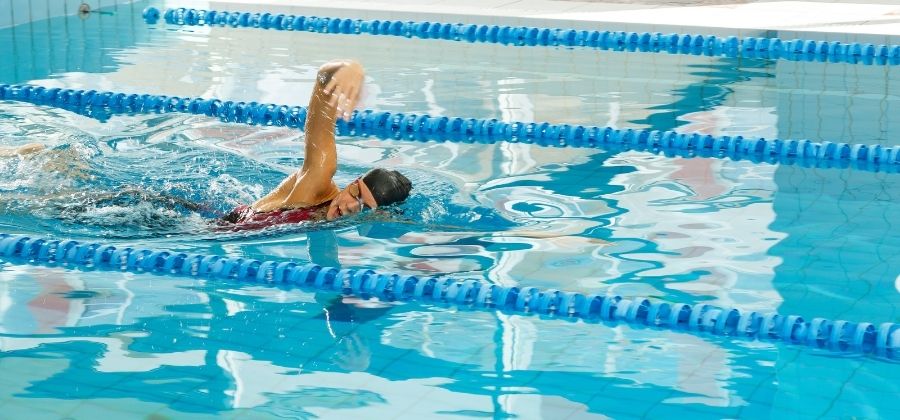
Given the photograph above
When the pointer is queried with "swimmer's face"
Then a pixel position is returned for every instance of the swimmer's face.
(351, 200)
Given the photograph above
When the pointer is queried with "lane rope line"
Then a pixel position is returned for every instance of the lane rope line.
(878, 340)
(424, 128)
(652, 42)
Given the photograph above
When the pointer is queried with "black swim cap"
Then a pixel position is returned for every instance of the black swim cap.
(388, 187)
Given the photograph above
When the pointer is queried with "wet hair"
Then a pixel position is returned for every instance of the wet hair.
(388, 187)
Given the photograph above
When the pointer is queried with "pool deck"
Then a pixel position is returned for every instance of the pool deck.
(875, 21)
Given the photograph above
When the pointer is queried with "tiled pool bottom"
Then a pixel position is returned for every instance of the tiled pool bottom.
(81, 344)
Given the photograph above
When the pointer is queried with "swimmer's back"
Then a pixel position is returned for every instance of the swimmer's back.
(245, 218)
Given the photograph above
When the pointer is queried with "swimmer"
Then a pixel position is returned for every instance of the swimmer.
(310, 194)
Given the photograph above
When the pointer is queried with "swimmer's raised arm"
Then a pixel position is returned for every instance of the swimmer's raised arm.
(338, 84)
(335, 95)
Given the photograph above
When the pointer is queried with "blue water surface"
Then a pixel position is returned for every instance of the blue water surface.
(816, 242)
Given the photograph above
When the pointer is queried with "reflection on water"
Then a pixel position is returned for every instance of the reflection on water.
(189, 347)
(758, 237)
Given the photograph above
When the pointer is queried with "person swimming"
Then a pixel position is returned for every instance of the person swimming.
(310, 194)
(307, 195)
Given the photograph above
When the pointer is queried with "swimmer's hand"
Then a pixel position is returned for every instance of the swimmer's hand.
(343, 86)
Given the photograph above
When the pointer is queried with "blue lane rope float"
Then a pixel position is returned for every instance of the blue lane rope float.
(881, 340)
(422, 127)
(708, 45)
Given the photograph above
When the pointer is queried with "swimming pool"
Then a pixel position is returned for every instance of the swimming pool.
(816, 242)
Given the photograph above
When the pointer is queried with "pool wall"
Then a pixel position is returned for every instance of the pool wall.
(24, 11)
(54, 46)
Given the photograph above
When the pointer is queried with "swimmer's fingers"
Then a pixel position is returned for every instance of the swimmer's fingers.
(336, 83)
(336, 102)
(346, 103)
(330, 86)
(345, 108)
(352, 100)
(344, 86)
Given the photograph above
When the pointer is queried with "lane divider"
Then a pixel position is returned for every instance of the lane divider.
(880, 340)
(708, 45)
(422, 127)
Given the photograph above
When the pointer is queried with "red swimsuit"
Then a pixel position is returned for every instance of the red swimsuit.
(245, 218)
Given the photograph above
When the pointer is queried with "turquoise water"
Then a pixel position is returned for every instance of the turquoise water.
(807, 241)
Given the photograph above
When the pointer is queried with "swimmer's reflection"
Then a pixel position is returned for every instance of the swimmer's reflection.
(343, 314)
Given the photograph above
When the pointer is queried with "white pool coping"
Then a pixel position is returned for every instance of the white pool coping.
(876, 21)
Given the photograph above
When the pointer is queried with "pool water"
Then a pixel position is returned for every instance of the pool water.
(815, 242)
